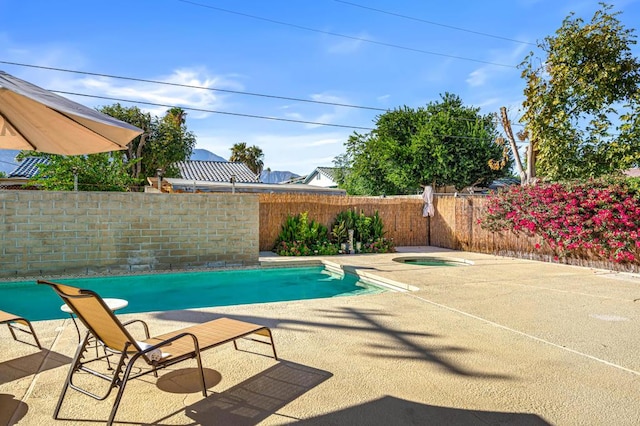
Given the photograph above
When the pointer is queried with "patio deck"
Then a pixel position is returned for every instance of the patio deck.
(503, 341)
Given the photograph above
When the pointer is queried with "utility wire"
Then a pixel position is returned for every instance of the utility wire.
(213, 89)
(244, 115)
(189, 86)
(237, 92)
(434, 23)
(237, 114)
(380, 43)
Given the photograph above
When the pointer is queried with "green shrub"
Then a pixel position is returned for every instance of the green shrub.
(367, 230)
(300, 236)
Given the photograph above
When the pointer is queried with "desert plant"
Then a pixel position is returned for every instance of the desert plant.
(299, 235)
(363, 228)
(340, 233)
(377, 227)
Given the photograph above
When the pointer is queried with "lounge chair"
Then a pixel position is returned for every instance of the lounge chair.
(11, 320)
(157, 352)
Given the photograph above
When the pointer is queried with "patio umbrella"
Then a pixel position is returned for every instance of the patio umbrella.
(35, 119)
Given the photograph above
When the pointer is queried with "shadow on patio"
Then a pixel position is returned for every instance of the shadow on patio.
(389, 410)
(382, 339)
(257, 398)
(29, 365)
(11, 409)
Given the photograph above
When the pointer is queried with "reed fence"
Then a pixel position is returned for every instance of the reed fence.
(402, 216)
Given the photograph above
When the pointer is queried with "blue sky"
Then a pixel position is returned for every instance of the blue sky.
(198, 43)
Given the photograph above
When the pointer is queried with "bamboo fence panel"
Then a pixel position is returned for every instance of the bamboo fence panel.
(442, 229)
(456, 226)
(401, 216)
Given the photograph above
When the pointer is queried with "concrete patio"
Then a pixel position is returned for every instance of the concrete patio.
(501, 341)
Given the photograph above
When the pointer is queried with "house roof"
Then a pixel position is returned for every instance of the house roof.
(28, 167)
(328, 172)
(299, 179)
(184, 185)
(215, 171)
(635, 172)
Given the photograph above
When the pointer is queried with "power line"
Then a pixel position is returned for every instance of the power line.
(237, 114)
(190, 86)
(434, 23)
(380, 43)
(7, 162)
(245, 115)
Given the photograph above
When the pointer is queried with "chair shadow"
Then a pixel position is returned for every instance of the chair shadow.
(28, 365)
(187, 380)
(257, 398)
(389, 410)
(11, 409)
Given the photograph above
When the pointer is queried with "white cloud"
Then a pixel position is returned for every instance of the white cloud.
(173, 94)
(348, 45)
(477, 77)
(488, 102)
(483, 75)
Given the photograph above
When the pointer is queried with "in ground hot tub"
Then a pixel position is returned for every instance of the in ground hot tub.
(432, 261)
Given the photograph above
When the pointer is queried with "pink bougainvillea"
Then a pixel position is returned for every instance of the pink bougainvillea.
(593, 219)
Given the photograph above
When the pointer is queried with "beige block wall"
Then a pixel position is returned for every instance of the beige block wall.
(57, 233)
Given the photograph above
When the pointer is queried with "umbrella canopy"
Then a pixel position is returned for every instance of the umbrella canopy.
(35, 119)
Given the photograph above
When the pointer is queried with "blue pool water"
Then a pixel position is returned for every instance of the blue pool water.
(172, 291)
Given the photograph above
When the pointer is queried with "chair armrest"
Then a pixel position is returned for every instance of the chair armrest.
(196, 346)
(158, 346)
(144, 326)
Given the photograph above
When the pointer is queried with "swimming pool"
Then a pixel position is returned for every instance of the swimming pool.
(186, 290)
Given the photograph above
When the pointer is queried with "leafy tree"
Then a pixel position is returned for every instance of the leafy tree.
(250, 155)
(582, 107)
(165, 140)
(444, 143)
(134, 152)
(171, 142)
(95, 172)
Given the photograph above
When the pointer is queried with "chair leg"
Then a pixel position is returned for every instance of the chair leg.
(202, 380)
(13, 333)
(273, 346)
(74, 366)
(121, 386)
(33, 333)
(28, 324)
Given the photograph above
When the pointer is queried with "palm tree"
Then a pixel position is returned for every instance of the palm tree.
(250, 155)
(177, 115)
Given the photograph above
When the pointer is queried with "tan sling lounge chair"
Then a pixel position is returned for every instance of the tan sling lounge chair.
(157, 352)
(11, 320)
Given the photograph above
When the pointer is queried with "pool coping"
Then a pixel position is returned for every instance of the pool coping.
(386, 283)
